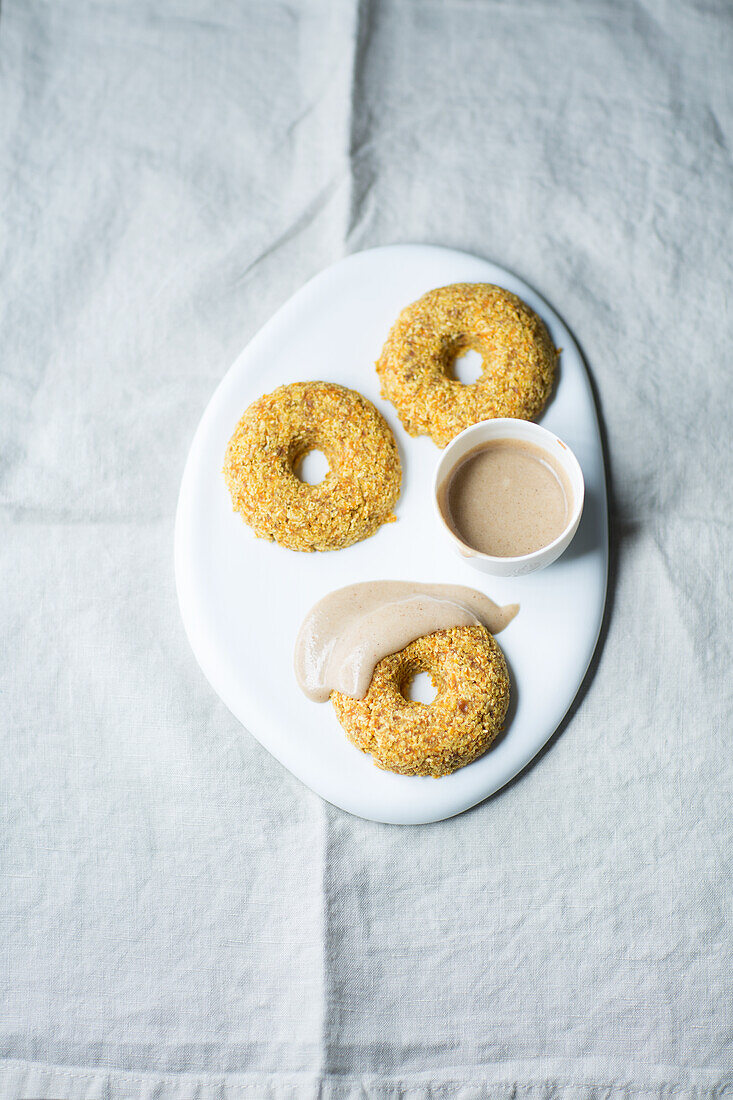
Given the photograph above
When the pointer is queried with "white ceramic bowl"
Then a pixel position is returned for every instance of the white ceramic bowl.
(506, 428)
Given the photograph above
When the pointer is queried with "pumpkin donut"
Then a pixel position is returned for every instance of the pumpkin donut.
(356, 496)
(470, 674)
(416, 364)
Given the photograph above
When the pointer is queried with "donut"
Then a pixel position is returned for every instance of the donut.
(416, 364)
(468, 669)
(356, 496)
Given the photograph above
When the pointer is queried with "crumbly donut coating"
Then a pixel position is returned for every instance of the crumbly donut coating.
(416, 364)
(359, 491)
(469, 671)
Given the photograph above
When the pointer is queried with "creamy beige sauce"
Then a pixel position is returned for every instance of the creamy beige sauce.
(507, 498)
(348, 632)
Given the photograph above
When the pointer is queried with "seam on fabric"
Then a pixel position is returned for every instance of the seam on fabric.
(221, 1079)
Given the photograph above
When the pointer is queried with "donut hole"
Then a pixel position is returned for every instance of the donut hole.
(419, 688)
(467, 367)
(311, 468)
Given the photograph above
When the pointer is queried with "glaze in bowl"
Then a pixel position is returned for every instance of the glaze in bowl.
(527, 432)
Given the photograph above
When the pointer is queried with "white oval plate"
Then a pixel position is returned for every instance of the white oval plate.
(242, 599)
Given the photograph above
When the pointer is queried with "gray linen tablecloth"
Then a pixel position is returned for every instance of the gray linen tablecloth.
(180, 917)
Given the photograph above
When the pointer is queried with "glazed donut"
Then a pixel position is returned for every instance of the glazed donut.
(470, 674)
(359, 491)
(416, 364)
